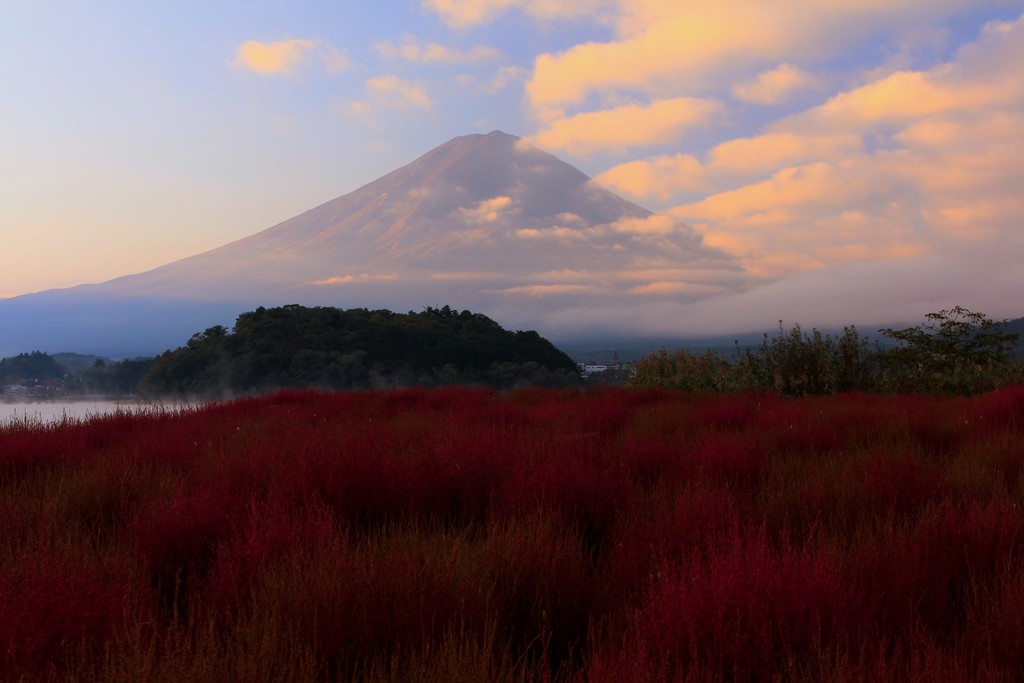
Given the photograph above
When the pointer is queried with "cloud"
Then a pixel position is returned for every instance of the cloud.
(654, 224)
(775, 86)
(487, 211)
(465, 276)
(551, 290)
(665, 176)
(561, 233)
(671, 52)
(813, 216)
(358, 277)
(433, 53)
(666, 46)
(280, 57)
(763, 153)
(626, 126)
(504, 77)
(501, 79)
(868, 294)
(467, 13)
(661, 177)
(338, 280)
(284, 56)
(908, 166)
(978, 79)
(899, 97)
(357, 109)
(676, 288)
(399, 92)
(333, 60)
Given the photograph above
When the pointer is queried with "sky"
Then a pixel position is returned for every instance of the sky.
(825, 146)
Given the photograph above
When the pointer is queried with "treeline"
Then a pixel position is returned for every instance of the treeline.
(102, 377)
(36, 365)
(330, 348)
(115, 378)
(953, 351)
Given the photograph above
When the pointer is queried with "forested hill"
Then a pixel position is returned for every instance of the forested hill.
(297, 346)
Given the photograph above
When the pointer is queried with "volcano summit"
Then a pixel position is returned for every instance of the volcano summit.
(485, 222)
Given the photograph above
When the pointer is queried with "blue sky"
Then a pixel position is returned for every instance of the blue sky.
(859, 138)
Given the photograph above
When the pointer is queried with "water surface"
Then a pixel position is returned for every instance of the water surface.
(55, 411)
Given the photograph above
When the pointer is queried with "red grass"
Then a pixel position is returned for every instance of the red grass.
(538, 535)
(54, 606)
(745, 610)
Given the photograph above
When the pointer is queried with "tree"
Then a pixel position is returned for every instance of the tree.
(30, 366)
(953, 350)
(292, 346)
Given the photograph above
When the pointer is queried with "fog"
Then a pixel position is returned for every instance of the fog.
(47, 412)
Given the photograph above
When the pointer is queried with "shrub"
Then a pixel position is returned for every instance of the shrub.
(954, 351)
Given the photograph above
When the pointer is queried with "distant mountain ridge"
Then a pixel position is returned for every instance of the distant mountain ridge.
(485, 222)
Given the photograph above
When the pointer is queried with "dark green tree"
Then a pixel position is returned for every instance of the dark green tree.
(30, 366)
(119, 378)
(298, 346)
(955, 350)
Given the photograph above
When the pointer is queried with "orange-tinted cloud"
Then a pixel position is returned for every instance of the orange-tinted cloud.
(551, 290)
(902, 96)
(466, 13)
(729, 162)
(907, 166)
(804, 218)
(676, 288)
(557, 232)
(659, 177)
(358, 277)
(337, 280)
(655, 224)
(284, 56)
(667, 46)
(434, 53)
(626, 126)
(504, 77)
(488, 210)
(775, 86)
(357, 109)
(399, 92)
(770, 151)
(654, 57)
(981, 77)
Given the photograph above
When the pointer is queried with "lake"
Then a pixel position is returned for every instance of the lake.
(53, 411)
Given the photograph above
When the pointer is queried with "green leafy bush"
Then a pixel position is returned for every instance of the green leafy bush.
(954, 351)
(792, 363)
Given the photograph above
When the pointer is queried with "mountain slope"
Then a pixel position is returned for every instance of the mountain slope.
(469, 206)
(484, 222)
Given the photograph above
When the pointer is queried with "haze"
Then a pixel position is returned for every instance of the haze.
(826, 163)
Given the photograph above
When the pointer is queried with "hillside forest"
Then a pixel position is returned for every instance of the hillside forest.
(954, 351)
(324, 348)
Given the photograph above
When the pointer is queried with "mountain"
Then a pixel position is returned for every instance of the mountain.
(486, 222)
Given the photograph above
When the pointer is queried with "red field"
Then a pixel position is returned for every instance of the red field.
(465, 535)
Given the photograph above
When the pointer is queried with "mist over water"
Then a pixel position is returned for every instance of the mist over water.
(56, 411)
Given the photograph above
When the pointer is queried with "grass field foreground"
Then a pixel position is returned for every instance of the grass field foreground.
(540, 535)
